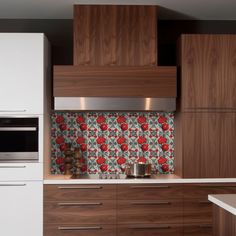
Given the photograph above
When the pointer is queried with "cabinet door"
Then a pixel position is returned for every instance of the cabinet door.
(227, 145)
(21, 208)
(201, 145)
(208, 71)
(21, 73)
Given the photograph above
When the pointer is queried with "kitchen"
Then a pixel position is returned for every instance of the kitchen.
(120, 94)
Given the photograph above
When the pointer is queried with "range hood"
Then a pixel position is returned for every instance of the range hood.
(115, 63)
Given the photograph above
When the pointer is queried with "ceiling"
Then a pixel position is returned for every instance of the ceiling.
(170, 9)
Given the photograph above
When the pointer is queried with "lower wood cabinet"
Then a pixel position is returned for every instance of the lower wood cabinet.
(201, 229)
(90, 211)
(130, 210)
(79, 230)
(149, 211)
(150, 230)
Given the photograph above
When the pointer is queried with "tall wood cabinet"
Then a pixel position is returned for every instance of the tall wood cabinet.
(207, 66)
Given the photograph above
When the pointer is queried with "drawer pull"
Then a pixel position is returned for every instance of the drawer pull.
(148, 186)
(80, 228)
(151, 227)
(204, 202)
(150, 203)
(12, 110)
(12, 185)
(205, 226)
(216, 186)
(80, 187)
(9, 167)
(80, 204)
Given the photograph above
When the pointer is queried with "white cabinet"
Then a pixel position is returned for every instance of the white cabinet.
(21, 171)
(21, 208)
(23, 73)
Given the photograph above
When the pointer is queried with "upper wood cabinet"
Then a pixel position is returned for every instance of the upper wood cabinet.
(115, 35)
(208, 72)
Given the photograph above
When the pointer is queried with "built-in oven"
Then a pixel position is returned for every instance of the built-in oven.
(19, 141)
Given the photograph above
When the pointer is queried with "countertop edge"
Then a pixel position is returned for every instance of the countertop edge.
(138, 181)
(223, 203)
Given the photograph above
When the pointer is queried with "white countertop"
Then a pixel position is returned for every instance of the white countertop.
(225, 201)
(156, 179)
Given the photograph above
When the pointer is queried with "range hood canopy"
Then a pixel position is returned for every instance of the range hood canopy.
(115, 63)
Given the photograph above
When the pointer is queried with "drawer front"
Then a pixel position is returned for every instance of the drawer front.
(149, 191)
(197, 210)
(21, 171)
(78, 192)
(202, 191)
(198, 230)
(80, 212)
(79, 230)
(150, 230)
(147, 211)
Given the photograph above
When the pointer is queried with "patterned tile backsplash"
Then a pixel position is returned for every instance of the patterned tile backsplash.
(111, 139)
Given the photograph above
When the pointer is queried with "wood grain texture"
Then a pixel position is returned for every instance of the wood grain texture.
(201, 229)
(82, 212)
(224, 223)
(208, 72)
(149, 191)
(79, 192)
(227, 145)
(197, 211)
(147, 211)
(201, 145)
(150, 230)
(52, 230)
(85, 81)
(201, 191)
(115, 35)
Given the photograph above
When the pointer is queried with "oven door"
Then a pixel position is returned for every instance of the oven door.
(18, 139)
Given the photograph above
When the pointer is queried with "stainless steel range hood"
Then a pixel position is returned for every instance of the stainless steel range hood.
(115, 88)
(115, 104)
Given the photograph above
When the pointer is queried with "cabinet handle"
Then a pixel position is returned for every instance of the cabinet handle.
(216, 186)
(80, 228)
(205, 226)
(148, 186)
(80, 204)
(204, 202)
(15, 167)
(12, 185)
(13, 110)
(150, 203)
(80, 187)
(151, 227)
(18, 128)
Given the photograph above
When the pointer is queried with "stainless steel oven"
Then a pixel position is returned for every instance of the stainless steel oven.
(19, 141)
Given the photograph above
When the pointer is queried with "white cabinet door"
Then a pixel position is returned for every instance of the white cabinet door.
(21, 73)
(21, 208)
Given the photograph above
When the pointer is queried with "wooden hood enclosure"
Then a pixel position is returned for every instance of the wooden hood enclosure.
(115, 55)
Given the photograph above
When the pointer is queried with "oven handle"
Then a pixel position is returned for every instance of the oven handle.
(18, 128)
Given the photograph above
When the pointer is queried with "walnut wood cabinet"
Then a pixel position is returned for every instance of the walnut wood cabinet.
(127, 210)
(79, 210)
(207, 125)
(208, 145)
(208, 72)
(197, 210)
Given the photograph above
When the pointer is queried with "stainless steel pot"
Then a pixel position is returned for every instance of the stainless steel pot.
(139, 169)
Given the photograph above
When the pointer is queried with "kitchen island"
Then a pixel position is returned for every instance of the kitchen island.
(224, 214)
